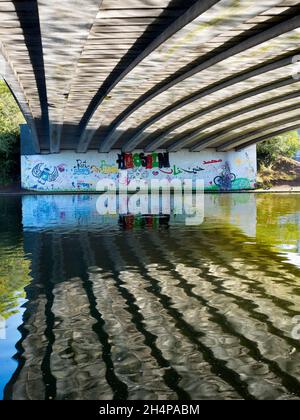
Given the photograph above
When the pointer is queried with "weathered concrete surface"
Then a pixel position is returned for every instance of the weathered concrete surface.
(136, 74)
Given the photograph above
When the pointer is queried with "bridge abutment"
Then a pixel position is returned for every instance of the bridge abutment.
(69, 171)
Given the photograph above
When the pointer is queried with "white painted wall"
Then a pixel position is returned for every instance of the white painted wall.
(69, 171)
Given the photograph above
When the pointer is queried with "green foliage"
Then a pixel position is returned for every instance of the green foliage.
(284, 145)
(14, 266)
(10, 119)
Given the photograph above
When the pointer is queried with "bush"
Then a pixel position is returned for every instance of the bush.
(10, 119)
(284, 145)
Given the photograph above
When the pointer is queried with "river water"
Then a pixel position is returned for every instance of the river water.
(103, 307)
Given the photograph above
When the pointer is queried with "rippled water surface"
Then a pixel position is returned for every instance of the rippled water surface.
(102, 307)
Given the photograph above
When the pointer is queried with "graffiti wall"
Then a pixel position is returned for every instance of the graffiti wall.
(69, 171)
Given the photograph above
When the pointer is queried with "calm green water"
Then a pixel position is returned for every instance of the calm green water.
(149, 308)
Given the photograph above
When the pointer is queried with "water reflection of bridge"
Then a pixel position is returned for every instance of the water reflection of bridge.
(167, 313)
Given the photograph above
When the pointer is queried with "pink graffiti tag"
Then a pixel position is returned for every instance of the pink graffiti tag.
(62, 167)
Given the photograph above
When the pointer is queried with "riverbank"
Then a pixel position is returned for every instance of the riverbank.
(281, 176)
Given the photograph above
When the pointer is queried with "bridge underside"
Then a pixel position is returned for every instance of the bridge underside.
(149, 74)
(120, 76)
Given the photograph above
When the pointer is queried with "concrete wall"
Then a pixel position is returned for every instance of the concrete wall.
(69, 171)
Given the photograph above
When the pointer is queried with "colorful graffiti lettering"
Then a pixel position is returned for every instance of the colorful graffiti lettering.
(138, 160)
(104, 169)
(44, 175)
(82, 172)
(178, 171)
(138, 173)
(193, 171)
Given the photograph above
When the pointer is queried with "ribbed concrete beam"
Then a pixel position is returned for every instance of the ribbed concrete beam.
(88, 132)
(21, 46)
(268, 136)
(27, 14)
(137, 137)
(226, 35)
(15, 87)
(210, 141)
(181, 143)
(224, 86)
(63, 41)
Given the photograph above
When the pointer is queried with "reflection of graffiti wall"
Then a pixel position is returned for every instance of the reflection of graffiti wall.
(79, 211)
(69, 171)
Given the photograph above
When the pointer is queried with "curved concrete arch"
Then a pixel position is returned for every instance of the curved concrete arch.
(269, 136)
(192, 13)
(253, 41)
(185, 139)
(32, 41)
(234, 142)
(217, 136)
(22, 104)
(203, 93)
(14, 86)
